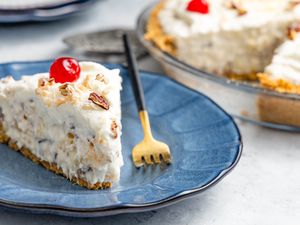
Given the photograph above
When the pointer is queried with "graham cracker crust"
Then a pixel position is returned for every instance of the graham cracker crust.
(49, 166)
(280, 111)
(155, 33)
(280, 85)
(242, 77)
(276, 109)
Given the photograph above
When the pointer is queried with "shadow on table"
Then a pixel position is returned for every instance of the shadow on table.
(179, 213)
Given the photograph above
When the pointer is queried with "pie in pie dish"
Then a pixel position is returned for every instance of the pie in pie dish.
(225, 37)
(67, 120)
(248, 40)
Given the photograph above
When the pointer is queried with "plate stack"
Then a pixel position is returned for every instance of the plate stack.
(15, 11)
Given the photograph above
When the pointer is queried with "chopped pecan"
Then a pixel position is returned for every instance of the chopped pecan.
(91, 145)
(41, 82)
(241, 12)
(234, 5)
(6, 79)
(71, 135)
(291, 34)
(114, 129)
(86, 81)
(293, 30)
(65, 89)
(44, 81)
(87, 107)
(51, 81)
(101, 77)
(99, 100)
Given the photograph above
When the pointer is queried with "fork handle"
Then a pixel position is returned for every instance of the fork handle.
(134, 75)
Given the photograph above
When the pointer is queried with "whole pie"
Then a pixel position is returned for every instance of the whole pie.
(235, 38)
(239, 39)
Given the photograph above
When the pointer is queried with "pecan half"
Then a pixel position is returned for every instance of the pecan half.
(234, 5)
(114, 127)
(65, 90)
(293, 30)
(99, 100)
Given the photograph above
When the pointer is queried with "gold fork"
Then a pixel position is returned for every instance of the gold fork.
(149, 150)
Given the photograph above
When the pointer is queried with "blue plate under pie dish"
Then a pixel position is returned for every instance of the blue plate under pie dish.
(44, 14)
(204, 140)
(16, 5)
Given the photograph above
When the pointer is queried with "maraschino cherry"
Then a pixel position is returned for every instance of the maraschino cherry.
(199, 6)
(65, 69)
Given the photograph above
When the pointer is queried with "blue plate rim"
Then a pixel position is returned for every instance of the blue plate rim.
(126, 208)
(25, 16)
(41, 6)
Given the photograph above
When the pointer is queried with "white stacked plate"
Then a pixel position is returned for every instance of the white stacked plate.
(15, 11)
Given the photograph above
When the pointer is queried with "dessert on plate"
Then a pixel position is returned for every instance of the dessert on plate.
(283, 75)
(67, 120)
(226, 37)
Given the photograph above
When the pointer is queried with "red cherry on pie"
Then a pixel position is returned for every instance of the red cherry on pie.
(199, 6)
(65, 69)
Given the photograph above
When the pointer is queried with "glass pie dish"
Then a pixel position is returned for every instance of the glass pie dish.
(243, 99)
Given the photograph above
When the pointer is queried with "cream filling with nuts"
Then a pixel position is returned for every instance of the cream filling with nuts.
(235, 37)
(75, 125)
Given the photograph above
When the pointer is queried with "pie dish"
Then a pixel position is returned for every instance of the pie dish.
(241, 96)
(205, 143)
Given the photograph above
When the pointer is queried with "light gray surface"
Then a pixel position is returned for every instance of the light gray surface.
(263, 189)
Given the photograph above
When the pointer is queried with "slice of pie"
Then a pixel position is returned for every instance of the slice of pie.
(67, 120)
(235, 38)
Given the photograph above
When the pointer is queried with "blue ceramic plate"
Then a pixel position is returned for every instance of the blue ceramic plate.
(15, 5)
(44, 14)
(204, 140)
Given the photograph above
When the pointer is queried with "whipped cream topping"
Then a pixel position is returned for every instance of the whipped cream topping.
(67, 128)
(177, 21)
(286, 61)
